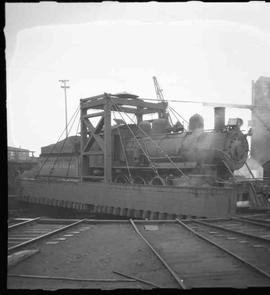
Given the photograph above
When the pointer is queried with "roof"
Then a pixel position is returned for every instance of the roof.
(11, 148)
(68, 145)
(125, 94)
(263, 79)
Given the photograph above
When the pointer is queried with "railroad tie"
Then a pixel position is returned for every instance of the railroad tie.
(129, 212)
(145, 214)
(162, 216)
(111, 210)
(171, 271)
(115, 211)
(152, 215)
(137, 214)
(106, 210)
(170, 217)
(125, 212)
(201, 236)
(141, 214)
(122, 212)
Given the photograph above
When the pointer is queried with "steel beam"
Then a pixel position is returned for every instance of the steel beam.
(125, 109)
(138, 102)
(107, 140)
(94, 115)
(92, 98)
(92, 138)
(93, 132)
(84, 158)
(139, 114)
(99, 103)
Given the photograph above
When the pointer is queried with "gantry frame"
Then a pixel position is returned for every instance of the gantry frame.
(101, 134)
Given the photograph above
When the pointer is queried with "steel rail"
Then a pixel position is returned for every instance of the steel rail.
(59, 220)
(70, 279)
(171, 271)
(137, 279)
(252, 266)
(44, 235)
(232, 231)
(23, 223)
(251, 222)
(263, 221)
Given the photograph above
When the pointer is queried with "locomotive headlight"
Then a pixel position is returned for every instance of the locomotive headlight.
(235, 122)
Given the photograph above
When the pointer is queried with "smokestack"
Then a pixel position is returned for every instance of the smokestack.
(219, 118)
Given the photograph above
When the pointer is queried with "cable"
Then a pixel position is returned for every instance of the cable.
(124, 152)
(153, 167)
(166, 155)
(64, 142)
(71, 158)
(172, 109)
(174, 114)
(54, 146)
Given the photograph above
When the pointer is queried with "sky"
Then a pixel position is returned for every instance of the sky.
(197, 51)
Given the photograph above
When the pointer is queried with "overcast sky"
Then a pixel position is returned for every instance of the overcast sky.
(202, 52)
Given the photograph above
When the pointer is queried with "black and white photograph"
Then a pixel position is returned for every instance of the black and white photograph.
(138, 145)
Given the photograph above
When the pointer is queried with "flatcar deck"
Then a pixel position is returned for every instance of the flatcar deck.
(112, 254)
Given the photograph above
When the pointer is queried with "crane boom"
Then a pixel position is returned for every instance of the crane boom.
(158, 89)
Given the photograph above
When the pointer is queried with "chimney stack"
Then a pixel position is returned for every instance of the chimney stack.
(219, 118)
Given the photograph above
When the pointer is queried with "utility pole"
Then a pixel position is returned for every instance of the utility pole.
(65, 87)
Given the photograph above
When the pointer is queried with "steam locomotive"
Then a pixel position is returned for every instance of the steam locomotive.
(157, 153)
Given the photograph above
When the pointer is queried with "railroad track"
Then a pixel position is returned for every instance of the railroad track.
(29, 231)
(246, 239)
(257, 220)
(196, 253)
(193, 260)
(14, 221)
(238, 226)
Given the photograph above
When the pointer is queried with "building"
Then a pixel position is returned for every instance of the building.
(18, 154)
(19, 160)
(260, 142)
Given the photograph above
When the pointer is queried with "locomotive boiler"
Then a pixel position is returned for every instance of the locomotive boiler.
(158, 153)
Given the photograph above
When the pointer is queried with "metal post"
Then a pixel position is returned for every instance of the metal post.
(65, 87)
(139, 115)
(84, 158)
(252, 92)
(107, 140)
